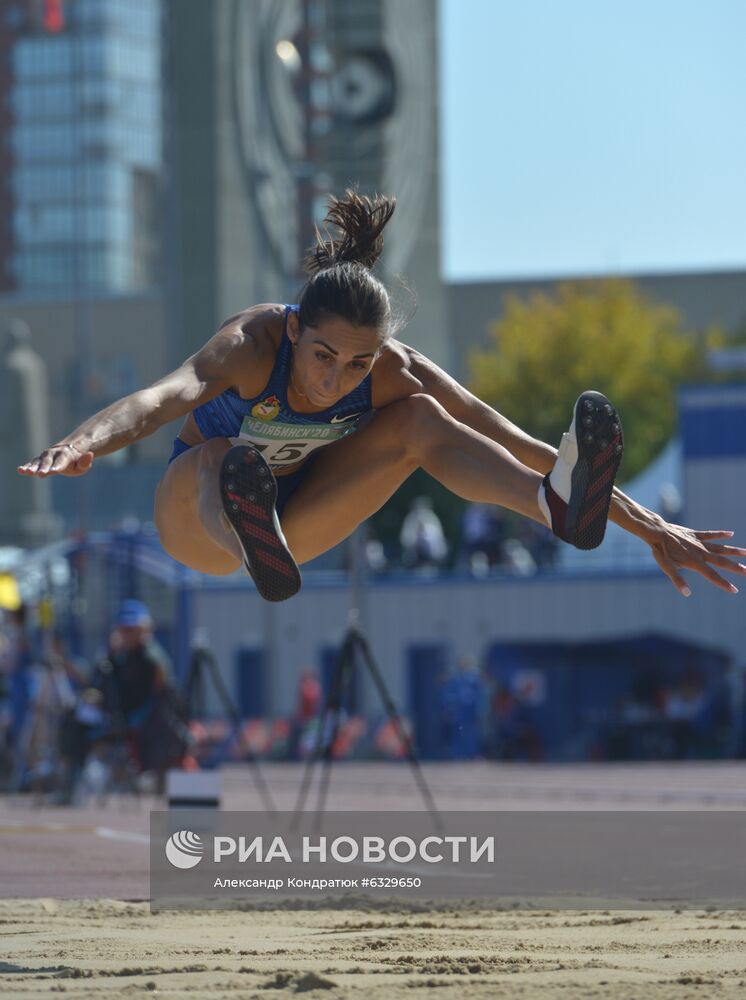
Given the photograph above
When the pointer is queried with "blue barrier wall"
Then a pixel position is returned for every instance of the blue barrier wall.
(565, 701)
(426, 668)
(329, 658)
(250, 683)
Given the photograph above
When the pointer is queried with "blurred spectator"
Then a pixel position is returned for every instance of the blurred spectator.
(84, 727)
(495, 538)
(462, 708)
(51, 696)
(46, 687)
(137, 694)
(678, 720)
(375, 556)
(539, 540)
(671, 505)
(307, 710)
(309, 695)
(64, 681)
(421, 537)
(483, 529)
(685, 708)
(17, 664)
(516, 734)
(518, 559)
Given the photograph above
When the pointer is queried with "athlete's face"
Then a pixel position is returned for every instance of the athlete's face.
(330, 359)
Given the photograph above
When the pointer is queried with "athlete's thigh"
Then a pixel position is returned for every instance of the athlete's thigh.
(177, 518)
(349, 481)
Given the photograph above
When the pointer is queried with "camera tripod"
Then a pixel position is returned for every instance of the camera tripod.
(354, 645)
(203, 668)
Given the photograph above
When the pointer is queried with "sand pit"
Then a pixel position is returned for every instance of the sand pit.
(108, 949)
(93, 941)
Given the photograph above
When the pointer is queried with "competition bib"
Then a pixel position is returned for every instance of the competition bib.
(284, 444)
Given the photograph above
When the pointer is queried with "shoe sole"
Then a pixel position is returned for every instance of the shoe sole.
(598, 432)
(249, 494)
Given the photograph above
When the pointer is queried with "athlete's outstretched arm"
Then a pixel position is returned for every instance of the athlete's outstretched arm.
(674, 546)
(201, 377)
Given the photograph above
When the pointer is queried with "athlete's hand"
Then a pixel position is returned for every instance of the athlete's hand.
(59, 460)
(676, 547)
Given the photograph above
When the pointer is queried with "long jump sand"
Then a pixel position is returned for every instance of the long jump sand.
(110, 950)
(88, 931)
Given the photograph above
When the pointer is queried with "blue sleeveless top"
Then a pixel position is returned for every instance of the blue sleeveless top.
(283, 436)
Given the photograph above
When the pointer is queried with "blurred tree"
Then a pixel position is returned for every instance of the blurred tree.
(606, 335)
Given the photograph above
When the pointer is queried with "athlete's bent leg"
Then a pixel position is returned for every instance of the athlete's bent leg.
(189, 511)
(210, 501)
(249, 495)
(354, 477)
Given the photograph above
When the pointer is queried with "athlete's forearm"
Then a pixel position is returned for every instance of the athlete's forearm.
(633, 517)
(124, 422)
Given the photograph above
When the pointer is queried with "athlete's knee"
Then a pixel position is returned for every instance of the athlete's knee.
(211, 453)
(420, 420)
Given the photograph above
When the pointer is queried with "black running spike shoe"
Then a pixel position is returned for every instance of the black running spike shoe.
(577, 492)
(249, 494)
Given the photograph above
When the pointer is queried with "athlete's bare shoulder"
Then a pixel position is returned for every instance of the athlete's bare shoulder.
(401, 371)
(256, 332)
(259, 327)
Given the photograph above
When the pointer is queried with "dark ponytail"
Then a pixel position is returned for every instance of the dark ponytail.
(341, 282)
(360, 222)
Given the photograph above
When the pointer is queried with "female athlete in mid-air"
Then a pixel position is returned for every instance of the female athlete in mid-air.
(301, 421)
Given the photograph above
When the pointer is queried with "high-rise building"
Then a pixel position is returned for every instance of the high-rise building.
(81, 262)
(83, 149)
(163, 164)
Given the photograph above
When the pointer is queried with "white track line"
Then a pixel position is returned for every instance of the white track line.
(19, 826)
(132, 838)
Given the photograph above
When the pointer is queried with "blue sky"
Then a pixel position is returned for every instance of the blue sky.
(592, 136)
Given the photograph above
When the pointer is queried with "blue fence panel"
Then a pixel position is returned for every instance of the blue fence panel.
(329, 658)
(250, 683)
(426, 669)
